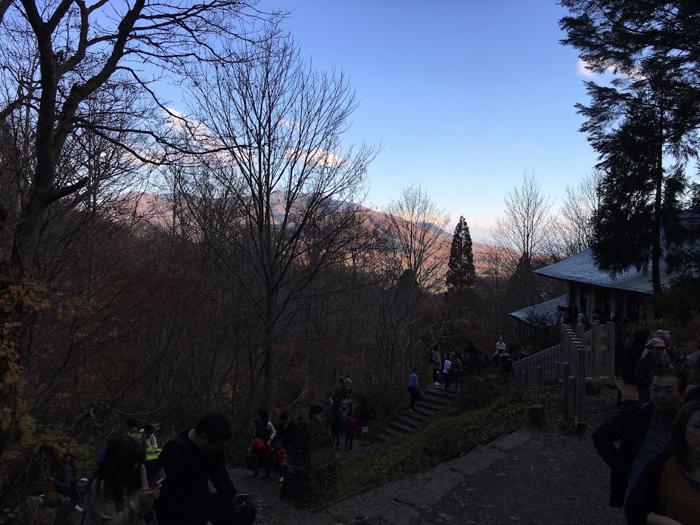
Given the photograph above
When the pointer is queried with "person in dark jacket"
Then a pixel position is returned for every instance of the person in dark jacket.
(642, 432)
(632, 353)
(190, 462)
(668, 490)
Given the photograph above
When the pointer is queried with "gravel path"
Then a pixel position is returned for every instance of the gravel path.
(553, 479)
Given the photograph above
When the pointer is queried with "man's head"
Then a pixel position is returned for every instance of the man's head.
(212, 431)
(667, 388)
(665, 336)
(656, 344)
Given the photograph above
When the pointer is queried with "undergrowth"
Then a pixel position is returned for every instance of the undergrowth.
(448, 435)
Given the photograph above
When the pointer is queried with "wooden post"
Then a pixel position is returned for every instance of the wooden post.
(580, 380)
(566, 372)
(540, 376)
(571, 397)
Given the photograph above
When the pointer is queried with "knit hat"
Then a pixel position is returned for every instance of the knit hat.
(655, 342)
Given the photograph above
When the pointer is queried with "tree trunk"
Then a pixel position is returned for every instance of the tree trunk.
(268, 340)
(656, 250)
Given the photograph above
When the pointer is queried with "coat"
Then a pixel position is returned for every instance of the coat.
(628, 428)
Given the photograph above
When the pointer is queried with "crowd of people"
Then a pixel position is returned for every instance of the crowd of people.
(341, 415)
(135, 480)
(653, 446)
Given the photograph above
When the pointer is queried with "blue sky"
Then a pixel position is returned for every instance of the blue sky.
(462, 96)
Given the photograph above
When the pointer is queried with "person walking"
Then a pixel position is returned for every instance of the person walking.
(413, 387)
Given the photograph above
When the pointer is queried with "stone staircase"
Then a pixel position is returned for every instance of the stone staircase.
(434, 400)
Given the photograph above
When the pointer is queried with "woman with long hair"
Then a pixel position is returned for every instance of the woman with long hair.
(668, 491)
(119, 494)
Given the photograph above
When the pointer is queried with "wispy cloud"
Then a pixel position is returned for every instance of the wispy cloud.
(583, 69)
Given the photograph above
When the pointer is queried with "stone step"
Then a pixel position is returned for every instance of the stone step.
(430, 405)
(390, 434)
(407, 420)
(440, 391)
(435, 398)
(401, 427)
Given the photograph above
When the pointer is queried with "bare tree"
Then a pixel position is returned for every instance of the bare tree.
(416, 238)
(524, 228)
(574, 227)
(84, 51)
(59, 58)
(415, 248)
(283, 168)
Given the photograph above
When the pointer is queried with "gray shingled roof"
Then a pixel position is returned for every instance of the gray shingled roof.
(582, 268)
(542, 314)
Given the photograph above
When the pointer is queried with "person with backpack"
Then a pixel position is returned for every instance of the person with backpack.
(192, 461)
(118, 494)
(261, 444)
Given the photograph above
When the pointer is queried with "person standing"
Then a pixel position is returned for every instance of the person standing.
(191, 462)
(413, 387)
(336, 422)
(261, 446)
(447, 370)
(668, 490)
(436, 361)
(349, 425)
(653, 358)
(348, 386)
(286, 438)
(643, 432)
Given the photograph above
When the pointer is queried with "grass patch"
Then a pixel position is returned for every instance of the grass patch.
(447, 436)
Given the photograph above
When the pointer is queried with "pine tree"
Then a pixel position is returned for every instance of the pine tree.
(647, 115)
(461, 272)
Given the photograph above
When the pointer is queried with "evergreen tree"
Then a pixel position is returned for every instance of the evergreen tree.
(461, 272)
(648, 115)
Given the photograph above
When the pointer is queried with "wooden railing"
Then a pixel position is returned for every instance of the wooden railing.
(579, 356)
(538, 368)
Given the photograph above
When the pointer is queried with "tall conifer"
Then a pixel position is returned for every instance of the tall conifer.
(643, 125)
(461, 272)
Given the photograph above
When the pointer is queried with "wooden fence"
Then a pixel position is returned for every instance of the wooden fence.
(579, 356)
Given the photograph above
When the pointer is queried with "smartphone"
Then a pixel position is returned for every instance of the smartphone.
(157, 482)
